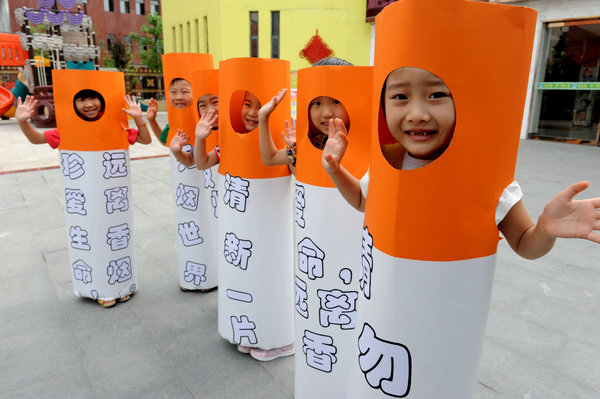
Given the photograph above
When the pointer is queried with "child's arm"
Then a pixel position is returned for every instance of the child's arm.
(135, 111)
(204, 126)
(335, 148)
(269, 153)
(151, 116)
(24, 112)
(177, 142)
(562, 217)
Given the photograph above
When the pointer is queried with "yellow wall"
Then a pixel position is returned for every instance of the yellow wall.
(341, 24)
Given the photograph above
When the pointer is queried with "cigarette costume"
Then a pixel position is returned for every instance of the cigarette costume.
(97, 186)
(256, 302)
(192, 189)
(429, 240)
(327, 228)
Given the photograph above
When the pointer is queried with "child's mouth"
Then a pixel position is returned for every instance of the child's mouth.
(421, 132)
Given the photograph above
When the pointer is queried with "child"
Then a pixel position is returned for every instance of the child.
(326, 269)
(420, 115)
(84, 182)
(255, 260)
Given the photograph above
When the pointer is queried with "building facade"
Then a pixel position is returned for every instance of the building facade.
(111, 19)
(269, 29)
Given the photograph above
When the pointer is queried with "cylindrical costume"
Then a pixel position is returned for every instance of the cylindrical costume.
(97, 180)
(256, 302)
(430, 236)
(327, 228)
(192, 189)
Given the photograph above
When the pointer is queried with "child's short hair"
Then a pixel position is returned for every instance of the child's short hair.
(177, 80)
(88, 93)
(332, 61)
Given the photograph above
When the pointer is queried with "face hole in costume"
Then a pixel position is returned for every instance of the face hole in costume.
(243, 111)
(416, 116)
(207, 102)
(320, 110)
(89, 105)
(180, 93)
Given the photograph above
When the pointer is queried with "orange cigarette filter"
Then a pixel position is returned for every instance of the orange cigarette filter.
(183, 65)
(445, 210)
(206, 81)
(77, 134)
(240, 152)
(352, 87)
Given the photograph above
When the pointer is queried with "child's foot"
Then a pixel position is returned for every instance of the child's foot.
(207, 289)
(264, 355)
(183, 289)
(125, 298)
(244, 349)
(107, 303)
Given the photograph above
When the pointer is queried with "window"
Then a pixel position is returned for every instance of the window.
(274, 34)
(140, 8)
(181, 38)
(206, 33)
(109, 5)
(253, 33)
(174, 36)
(154, 7)
(189, 37)
(197, 35)
(124, 6)
(128, 43)
(110, 40)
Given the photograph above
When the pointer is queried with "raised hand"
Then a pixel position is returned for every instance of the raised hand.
(135, 110)
(568, 218)
(266, 109)
(179, 140)
(335, 147)
(205, 124)
(152, 110)
(25, 110)
(289, 136)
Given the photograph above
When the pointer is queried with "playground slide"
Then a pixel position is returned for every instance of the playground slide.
(7, 98)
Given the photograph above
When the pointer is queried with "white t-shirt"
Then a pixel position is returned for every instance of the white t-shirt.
(510, 196)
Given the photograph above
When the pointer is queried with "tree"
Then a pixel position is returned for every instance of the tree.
(150, 42)
(120, 54)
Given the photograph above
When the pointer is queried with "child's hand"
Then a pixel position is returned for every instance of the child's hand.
(289, 136)
(568, 218)
(25, 110)
(179, 140)
(266, 109)
(205, 124)
(335, 147)
(135, 110)
(152, 110)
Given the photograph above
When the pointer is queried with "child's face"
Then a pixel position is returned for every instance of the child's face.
(208, 102)
(250, 111)
(322, 109)
(89, 107)
(180, 94)
(419, 112)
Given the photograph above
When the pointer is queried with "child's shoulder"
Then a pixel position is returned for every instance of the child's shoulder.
(393, 153)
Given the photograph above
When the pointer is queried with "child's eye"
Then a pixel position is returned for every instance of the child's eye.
(316, 103)
(336, 102)
(399, 97)
(438, 94)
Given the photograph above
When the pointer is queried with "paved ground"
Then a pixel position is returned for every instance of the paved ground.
(543, 336)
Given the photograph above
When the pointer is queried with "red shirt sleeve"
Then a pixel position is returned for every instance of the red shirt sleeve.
(132, 135)
(52, 137)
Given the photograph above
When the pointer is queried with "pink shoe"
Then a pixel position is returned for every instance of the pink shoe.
(244, 349)
(264, 355)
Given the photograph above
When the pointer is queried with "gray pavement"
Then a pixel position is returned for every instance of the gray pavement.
(542, 340)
